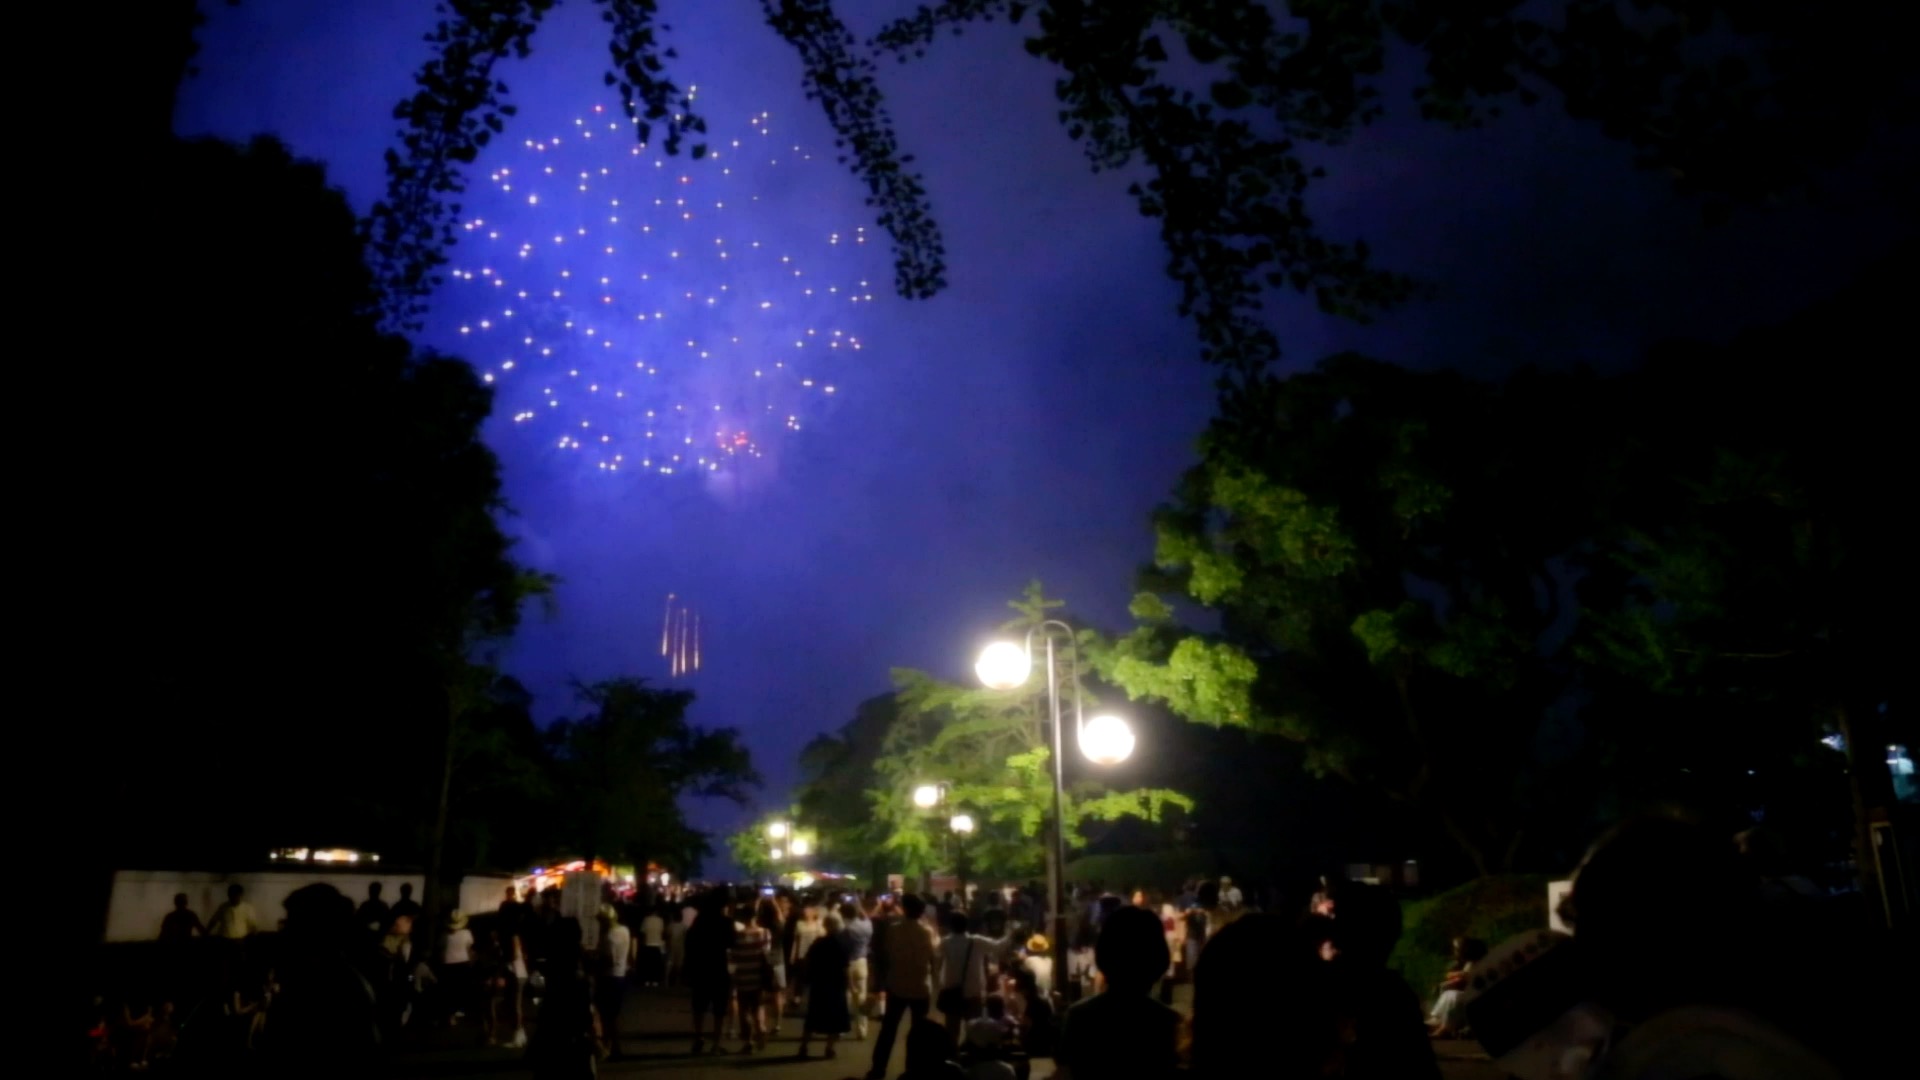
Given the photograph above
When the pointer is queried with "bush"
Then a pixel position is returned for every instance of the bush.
(1490, 908)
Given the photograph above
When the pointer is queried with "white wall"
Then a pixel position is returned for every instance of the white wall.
(141, 898)
(480, 894)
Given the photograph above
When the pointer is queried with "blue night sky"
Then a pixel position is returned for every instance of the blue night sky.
(1021, 424)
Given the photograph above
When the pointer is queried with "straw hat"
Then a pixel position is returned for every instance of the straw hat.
(456, 920)
(1038, 943)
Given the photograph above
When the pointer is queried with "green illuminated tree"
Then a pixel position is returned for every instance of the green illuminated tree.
(991, 749)
(1383, 550)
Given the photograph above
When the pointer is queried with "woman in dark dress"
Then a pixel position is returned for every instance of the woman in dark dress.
(826, 967)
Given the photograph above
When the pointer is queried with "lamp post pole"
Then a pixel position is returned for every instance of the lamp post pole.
(1057, 849)
(1108, 741)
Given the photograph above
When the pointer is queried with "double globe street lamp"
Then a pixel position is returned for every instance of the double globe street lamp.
(781, 833)
(1104, 740)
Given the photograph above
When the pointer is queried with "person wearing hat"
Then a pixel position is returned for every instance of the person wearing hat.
(610, 976)
(456, 965)
(1040, 961)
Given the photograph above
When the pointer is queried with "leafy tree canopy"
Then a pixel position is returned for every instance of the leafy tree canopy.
(628, 762)
(1227, 105)
(991, 750)
(309, 510)
(1453, 592)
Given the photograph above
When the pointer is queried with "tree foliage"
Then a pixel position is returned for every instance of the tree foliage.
(1226, 108)
(835, 772)
(625, 766)
(991, 750)
(308, 522)
(1507, 605)
(459, 104)
(1386, 555)
(1230, 105)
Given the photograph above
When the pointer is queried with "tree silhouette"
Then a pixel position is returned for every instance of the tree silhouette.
(624, 767)
(1232, 107)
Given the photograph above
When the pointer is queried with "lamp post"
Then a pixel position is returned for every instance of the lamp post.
(779, 833)
(928, 797)
(1105, 740)
(961, 826)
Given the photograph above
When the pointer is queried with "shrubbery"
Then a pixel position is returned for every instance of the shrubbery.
(1490, 908)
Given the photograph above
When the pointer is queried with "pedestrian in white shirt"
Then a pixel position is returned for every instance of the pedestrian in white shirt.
(610, 987)
(963, 979)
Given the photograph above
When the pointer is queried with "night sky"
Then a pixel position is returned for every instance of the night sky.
(1021, 424)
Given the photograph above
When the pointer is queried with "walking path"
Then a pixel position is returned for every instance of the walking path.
(655, 1030)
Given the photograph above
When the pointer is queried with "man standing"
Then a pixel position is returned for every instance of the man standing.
(373, 912)
(180, 924)
(963, 985)
(610, 989)
(233, 920)
(912, 971)
(857, 937)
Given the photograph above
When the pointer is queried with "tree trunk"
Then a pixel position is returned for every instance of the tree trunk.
(431, 900)
(1872, 790)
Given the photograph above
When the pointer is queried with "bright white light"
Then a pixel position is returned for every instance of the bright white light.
(776, 854)
(800, 846)
(926, 796)
(1106, 740)
(1003, 666)
(961, 823)
(777, 830)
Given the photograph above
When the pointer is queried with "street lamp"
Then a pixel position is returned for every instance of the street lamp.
(961, 826)
(1106, 741)
(799, 846)
(777, 830)
(926, 796)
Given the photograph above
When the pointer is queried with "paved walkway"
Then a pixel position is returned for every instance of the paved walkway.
(655, 1033)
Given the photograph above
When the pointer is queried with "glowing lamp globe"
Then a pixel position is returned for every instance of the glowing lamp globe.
(926, 796)
(776, 854)
(1106, 740)
(777, 830)
(1003, 666)
(799, 846)
(961, 823)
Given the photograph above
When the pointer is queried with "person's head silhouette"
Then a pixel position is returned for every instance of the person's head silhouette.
(1132, 950)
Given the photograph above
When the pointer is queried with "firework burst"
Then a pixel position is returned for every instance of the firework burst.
(656, 314)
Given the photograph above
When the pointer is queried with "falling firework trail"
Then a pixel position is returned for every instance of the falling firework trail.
(666, 625)
(696, 641)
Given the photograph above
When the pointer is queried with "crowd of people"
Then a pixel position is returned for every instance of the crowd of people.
(1681, 954)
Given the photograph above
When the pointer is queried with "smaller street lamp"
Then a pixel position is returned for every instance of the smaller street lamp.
(776, 854)
(1106, 740)
(927, 796)
(961, 824)
(777, 830)
(799, 846)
